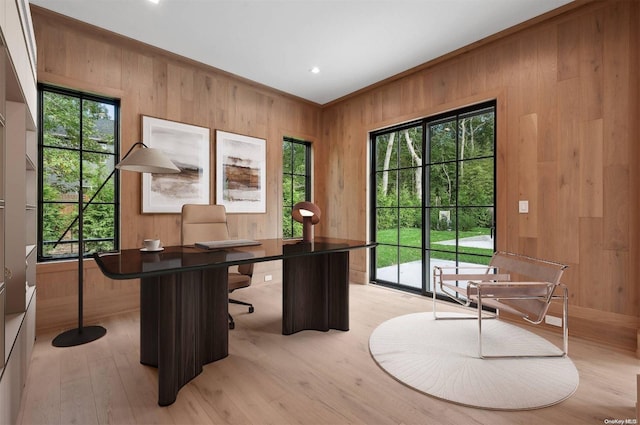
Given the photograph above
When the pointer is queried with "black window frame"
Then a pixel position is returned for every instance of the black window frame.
(294, 228)
(115, 175)
(427, 162)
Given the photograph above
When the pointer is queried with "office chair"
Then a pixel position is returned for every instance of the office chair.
(209, 223)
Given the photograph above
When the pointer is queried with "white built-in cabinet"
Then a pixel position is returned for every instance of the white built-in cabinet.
(18, 202)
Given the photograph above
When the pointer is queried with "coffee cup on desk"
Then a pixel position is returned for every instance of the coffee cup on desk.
(151, 244)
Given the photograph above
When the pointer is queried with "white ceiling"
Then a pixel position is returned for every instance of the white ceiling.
(355, 43)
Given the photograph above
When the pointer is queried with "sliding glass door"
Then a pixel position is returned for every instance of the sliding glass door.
(434, 197)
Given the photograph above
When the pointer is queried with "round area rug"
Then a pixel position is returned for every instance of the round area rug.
(440, 358)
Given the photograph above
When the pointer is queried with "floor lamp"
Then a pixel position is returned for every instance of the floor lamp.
(144, 160)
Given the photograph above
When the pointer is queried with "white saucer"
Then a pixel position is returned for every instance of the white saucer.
(152, 250)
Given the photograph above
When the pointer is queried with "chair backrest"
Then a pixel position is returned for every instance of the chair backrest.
(203, 223)
(531, 303)
(526, 268)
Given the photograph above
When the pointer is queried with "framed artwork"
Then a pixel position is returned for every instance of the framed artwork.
(188, 147)
(241, 173)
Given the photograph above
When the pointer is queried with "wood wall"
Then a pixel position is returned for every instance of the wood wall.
(568, 113)
(568, 110)
(155, 83)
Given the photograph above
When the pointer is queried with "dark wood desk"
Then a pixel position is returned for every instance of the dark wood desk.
(184, 298)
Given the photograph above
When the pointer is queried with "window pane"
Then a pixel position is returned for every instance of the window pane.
(411, 267)
(60, 174)
(99, 222)
(410, 183)
(410, 147)
(387, 263)
(442, 141)
(61, 120)
(98, 126)
(410, 228)
(287, 191)
(96, 168)
(299, 189)
(287, 223)
(59, 224)
(476, 133)
(387, 225)
(386, 184)
(442, 184)
(299, 159)
(386, 151)
(442, 234)
(286, 157)
(476, 182)
(475, 226)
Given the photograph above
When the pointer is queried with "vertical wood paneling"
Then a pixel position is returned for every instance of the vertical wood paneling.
(568, 105)
(158, 84)
(591, 170)
(568, 96)
(528, 187)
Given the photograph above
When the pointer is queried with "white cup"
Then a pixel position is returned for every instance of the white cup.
(152, 244)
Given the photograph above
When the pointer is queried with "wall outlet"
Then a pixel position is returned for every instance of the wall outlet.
(523, 207)
(553, 320)
(267, 277)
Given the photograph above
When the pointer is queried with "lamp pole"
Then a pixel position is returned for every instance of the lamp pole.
(154, 162)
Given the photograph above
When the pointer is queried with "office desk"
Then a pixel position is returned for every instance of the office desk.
(184, 298)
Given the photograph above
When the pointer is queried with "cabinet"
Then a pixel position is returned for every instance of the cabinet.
(18, 201)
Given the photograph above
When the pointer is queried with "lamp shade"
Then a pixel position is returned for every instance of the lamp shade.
(306, 209)
(147, 160)
(308, 214)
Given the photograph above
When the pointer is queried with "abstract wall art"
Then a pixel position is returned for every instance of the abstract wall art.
(240, 173)
(188, 148)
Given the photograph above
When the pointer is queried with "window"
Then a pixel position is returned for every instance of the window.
(78, 147)
(296, 182)
(434, 197)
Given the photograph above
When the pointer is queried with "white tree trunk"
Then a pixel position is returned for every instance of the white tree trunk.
(418, 160)
(387, 159)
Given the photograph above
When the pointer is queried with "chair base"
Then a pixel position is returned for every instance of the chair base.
(232, 324)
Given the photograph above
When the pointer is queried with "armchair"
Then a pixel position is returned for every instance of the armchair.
(512, 283)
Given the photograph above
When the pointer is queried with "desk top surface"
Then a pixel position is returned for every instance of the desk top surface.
(134, 263)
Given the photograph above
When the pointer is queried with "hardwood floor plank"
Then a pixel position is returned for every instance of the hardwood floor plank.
(310, 377)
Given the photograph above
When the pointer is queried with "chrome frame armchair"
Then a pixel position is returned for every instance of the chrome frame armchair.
(520, 285)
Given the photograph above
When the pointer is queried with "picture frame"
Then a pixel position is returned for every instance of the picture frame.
(188, 147)
(241, 173)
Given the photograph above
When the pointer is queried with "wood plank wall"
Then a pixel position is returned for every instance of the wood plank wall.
(156, 83)
(568, 113)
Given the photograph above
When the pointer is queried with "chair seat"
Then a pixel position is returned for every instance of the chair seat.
(237, 281)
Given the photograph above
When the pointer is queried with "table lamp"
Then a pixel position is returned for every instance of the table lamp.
(308, 214)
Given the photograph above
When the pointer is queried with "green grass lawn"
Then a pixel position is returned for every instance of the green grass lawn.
(387, 255)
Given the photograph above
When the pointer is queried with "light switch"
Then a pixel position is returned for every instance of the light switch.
(523, 207)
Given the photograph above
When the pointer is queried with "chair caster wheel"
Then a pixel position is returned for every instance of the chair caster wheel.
(250, 309)
(232, 325)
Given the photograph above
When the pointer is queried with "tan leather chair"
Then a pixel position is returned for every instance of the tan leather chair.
(209, 223)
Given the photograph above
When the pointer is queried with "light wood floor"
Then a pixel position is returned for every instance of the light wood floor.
(307, 378)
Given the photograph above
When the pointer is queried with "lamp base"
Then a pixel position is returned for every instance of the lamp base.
(79, 336)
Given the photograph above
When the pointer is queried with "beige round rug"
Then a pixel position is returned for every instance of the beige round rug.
(440, 358)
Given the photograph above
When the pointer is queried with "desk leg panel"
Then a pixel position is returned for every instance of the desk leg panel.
(149, 321)
(315, 293)
(189, 332)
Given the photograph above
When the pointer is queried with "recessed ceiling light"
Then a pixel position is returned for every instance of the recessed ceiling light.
(155, 1)
(315, 70)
